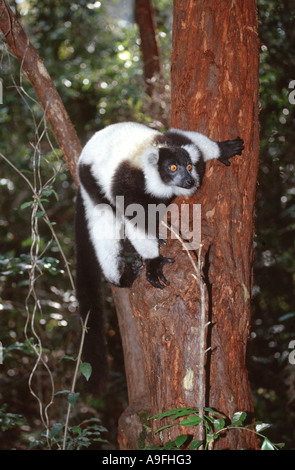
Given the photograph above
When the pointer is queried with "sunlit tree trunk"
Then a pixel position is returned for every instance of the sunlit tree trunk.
(214, 91)
(221, 61)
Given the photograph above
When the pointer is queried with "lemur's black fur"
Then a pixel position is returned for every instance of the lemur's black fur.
(143, 167)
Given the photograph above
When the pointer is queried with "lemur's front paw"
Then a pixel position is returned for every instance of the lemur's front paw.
(230, 148)
(154, 271)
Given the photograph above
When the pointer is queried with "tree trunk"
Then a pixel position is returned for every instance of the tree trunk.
(144, 16)
(221, 61)
(214, 91)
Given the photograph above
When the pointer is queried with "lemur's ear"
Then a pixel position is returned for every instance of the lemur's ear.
(152, 155)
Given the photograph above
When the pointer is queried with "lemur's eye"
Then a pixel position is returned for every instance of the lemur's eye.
(189, 167)
(173, 167)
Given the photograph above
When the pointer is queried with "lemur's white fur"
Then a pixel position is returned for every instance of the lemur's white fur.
(101, 221)
(114, 144)
(208, 147)
(135, 143)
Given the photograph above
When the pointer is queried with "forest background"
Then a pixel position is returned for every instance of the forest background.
(92, 52)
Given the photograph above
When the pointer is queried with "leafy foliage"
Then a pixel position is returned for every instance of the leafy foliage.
(80, 436)
(9, 420)
(98, 73)
(273, 302)
(214, 423)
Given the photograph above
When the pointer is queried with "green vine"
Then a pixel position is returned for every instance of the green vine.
(215, 424)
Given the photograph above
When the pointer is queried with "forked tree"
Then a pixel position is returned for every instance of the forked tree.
(214, 76)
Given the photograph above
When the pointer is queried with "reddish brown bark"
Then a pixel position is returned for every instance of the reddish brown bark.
(214, 91)
(36, 72)
(144, 16)
(222, 63)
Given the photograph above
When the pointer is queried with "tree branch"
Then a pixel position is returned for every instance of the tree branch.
(144, 16)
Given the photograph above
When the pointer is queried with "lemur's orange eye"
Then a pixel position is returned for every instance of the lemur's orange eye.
(173, 167)
(189, 167)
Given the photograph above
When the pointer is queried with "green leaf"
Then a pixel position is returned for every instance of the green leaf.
(48, 191)
(56, 195)
(40, 214)
(219, 423)
(267, 445)
(195, 445)
(175, 411)
(262, 426)
(26, 204)
(73, 397)
(86, 369)
(280, 445)
(180, 440)
(61, 392)
(191, 421)
(164, 427)
(184, 412)
(239, 417)
(66, 356)
(56, 429)
(169, 445)
(210, 437)
(77, 429)
(216, 413)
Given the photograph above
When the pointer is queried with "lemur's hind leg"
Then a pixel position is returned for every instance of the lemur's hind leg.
(132, 264)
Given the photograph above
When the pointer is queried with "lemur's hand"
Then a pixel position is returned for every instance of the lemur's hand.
(230, 148)
(154, 271)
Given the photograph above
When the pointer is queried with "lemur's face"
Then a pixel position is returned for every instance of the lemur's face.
(176, 168)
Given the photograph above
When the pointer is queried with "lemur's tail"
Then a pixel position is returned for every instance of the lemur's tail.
(88, 293)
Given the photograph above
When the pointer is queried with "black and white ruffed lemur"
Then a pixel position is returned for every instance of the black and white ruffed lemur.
(144, 167)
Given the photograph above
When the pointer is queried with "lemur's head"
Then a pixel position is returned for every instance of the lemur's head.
(176, 168)
(170, 171)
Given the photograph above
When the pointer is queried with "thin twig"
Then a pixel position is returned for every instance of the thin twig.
(202, 349)
(37, 187)
(84, 331)
(45, 218)
(203, 324)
